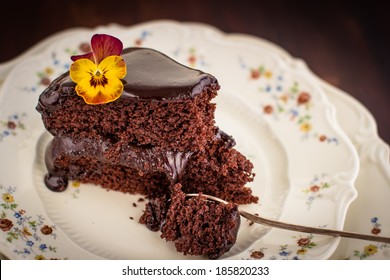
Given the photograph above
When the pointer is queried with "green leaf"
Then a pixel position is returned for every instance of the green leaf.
(53, 249)
(33, 224)
(12, 235)
(261, 69)
(5, 206)
(294, 88)
(356, 253)
(13, 206)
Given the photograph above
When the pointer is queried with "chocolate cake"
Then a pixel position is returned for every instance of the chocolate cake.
(158, 139)
(160, 131)
(196, 225)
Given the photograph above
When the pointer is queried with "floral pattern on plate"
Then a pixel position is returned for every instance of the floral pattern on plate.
(287, 101)
(315, 189)
(304, 243)
(370, 250)
(32, 235)
(12, 125)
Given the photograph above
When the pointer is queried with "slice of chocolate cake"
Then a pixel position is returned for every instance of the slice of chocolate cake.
(146, 126)
(196, 225)
(160, 131)
(163, 104)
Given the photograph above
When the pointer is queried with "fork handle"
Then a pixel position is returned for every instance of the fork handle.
(322, 231)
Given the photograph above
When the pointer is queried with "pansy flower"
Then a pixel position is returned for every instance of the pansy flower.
(98, 73)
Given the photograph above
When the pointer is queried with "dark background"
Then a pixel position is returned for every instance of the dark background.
(346, 43)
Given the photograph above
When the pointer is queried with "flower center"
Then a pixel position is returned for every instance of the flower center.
(98, 79)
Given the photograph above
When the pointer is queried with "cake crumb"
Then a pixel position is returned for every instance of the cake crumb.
(134, 204)
(141, 199)
(131, 218)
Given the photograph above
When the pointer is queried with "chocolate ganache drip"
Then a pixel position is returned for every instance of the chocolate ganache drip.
(143, 159)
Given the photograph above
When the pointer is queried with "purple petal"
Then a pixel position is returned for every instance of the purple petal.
(105, 45)
(87, 56)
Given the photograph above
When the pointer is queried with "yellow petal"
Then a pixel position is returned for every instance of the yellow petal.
(82, 69)
(113, 67)
(99, 94)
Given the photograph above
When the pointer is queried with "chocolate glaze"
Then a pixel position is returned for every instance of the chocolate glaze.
(150, 75)
(144, 159)
(56, 182)
(227, 139)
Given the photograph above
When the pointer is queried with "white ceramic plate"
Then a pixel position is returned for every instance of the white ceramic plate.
(369, 212)
(282, 120)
